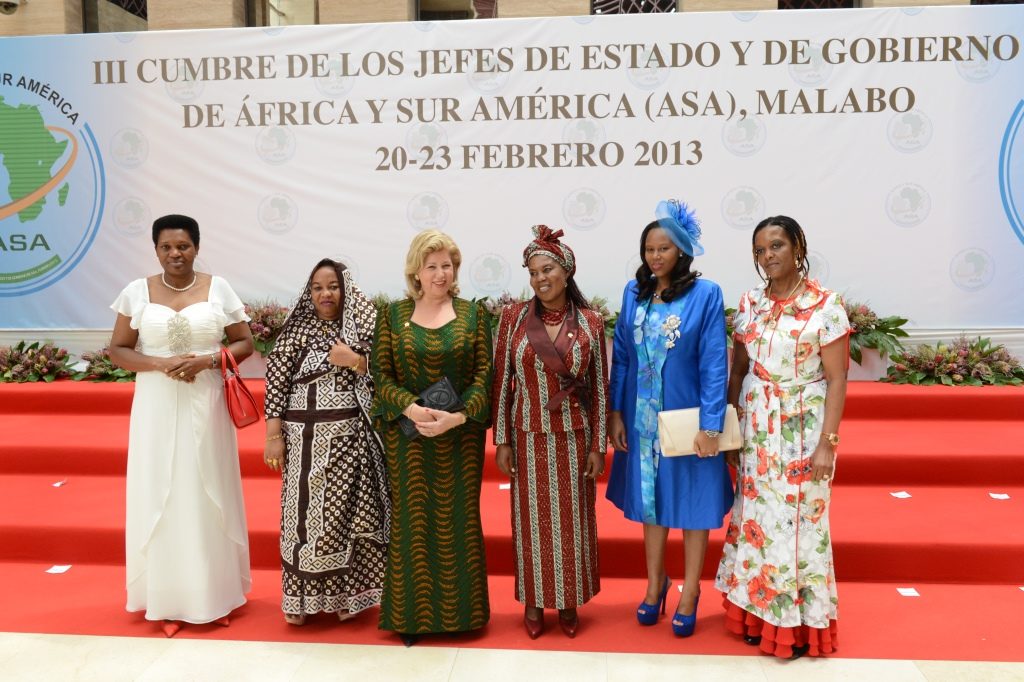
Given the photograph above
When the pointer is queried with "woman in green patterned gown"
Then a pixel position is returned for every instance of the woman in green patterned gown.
(436, 578)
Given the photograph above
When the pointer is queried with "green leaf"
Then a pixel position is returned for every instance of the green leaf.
(787, 434)
(945, 379)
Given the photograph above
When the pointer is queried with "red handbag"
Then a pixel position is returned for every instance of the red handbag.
(241, 405)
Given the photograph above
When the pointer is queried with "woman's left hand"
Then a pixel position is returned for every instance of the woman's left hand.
(823, 462)
(595, 465)
(443, 421)
(704, 445)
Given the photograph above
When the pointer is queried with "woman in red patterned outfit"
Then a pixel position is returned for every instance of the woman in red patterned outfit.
(550, 401)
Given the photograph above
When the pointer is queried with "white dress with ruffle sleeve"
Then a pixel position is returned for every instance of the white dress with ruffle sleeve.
(186, 544)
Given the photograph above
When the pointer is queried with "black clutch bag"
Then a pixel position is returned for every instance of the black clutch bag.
(438, 396)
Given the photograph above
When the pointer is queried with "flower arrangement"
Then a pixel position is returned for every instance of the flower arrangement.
(34, 362)
(101, 368)
(730, 325)
(868, 330)
(381, 302)
(963, 362)
(266, 318)
(600, 304)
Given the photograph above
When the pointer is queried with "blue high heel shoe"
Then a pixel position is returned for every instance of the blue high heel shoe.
(647, 614)
(683, 626)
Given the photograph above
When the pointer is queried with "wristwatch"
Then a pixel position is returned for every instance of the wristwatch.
(711, 433)
(832, 438)
(214, 360)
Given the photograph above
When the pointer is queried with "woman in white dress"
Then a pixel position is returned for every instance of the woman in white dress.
(186, 544)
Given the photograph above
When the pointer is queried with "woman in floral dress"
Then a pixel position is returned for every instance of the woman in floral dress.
(669, 353)
(789, 384)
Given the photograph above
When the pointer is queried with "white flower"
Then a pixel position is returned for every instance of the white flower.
(670, 328)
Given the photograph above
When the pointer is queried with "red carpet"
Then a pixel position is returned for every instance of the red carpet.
(948, 448)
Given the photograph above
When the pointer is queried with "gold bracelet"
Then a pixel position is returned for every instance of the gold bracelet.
(275, 437)
(355, 366)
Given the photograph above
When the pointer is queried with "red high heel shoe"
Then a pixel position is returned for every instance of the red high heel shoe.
(534, 628)
(223, 622)
(171, 627)
(570, 621)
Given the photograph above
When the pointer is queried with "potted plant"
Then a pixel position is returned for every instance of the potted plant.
(873, 340)
(963, 362)
(27, 362)
(100, 368)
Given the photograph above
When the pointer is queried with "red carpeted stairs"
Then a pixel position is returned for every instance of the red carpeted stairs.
(950, 449)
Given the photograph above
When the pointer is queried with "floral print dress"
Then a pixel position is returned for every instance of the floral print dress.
(776, 570)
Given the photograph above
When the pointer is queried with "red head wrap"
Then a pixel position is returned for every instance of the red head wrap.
(545, 243)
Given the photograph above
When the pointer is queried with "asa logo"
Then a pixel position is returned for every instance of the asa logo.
(52, 186)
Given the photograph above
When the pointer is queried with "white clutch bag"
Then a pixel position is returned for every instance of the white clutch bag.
(678, 428)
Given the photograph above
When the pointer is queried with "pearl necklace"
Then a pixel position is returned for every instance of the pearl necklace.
(195, 278)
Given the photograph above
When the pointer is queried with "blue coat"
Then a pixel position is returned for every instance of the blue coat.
(689, 492)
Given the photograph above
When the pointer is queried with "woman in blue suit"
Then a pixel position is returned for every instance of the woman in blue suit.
(669, 353)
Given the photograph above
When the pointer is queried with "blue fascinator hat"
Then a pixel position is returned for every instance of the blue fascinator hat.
(680, 223)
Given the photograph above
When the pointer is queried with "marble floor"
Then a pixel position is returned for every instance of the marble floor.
(110, 659)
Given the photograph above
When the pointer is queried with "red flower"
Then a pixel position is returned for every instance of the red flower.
(760, 592)
(753, 533)
(804, 314)
(762, 460)
(795, 333)
(749, 489)
(791, 499)
(798, 471)
(732, 534)
(817, 509)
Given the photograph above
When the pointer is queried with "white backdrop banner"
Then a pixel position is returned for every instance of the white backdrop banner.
(893, 136)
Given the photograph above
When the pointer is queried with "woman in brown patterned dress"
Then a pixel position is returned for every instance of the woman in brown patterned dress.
(335, 511)
(436, 579)
(550, 399)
